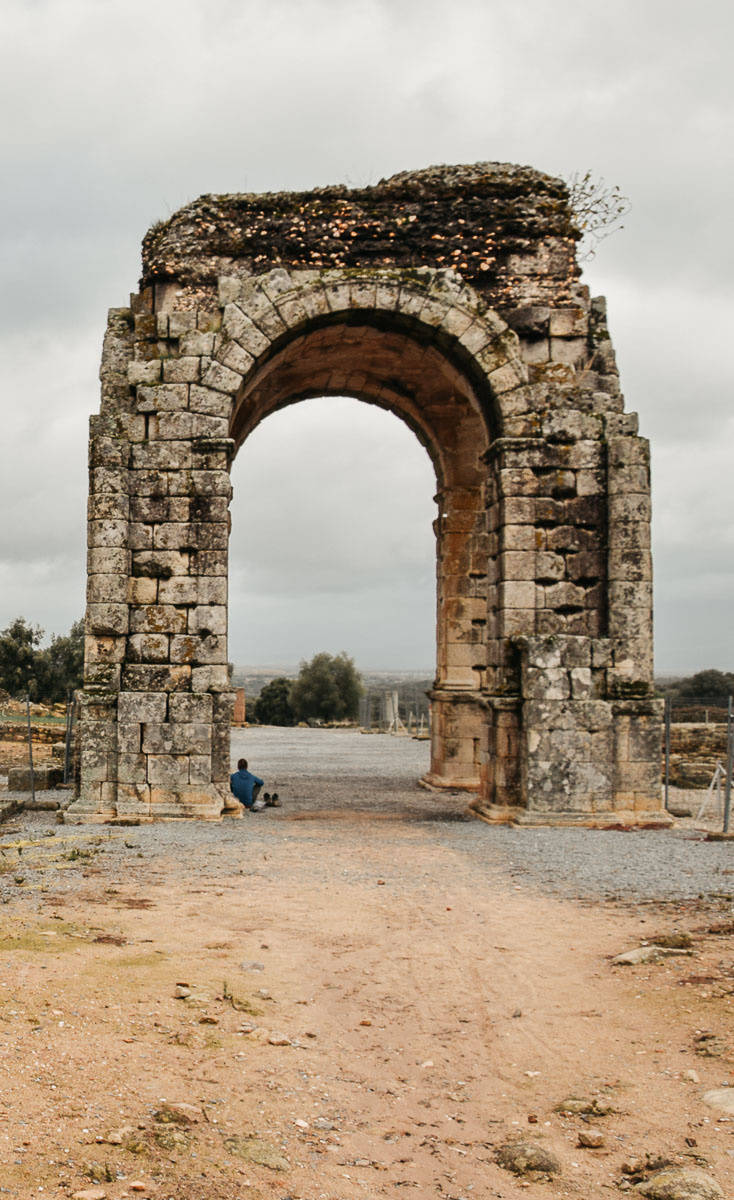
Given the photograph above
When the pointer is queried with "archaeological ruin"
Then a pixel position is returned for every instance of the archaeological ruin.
(451, 297)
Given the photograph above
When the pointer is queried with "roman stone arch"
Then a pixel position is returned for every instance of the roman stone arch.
(493, 353)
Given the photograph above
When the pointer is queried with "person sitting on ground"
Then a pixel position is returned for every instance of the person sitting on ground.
(246, 787)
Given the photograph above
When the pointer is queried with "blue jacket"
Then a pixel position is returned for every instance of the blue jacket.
(242, 783)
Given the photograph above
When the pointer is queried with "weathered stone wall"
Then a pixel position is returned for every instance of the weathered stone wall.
(452, 298)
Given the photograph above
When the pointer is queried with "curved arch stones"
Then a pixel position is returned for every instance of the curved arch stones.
(543, 702)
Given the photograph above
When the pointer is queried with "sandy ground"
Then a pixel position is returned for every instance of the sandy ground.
(349, 1006)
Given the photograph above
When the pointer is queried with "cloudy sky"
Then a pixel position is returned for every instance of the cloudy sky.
(118, 112)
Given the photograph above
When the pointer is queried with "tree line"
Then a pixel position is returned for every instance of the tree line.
(704, 685)
(44, 673)
(327, 688)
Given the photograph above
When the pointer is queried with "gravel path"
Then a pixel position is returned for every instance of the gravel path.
(342, 787)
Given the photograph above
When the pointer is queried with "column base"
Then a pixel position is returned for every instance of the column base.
(207, 803)
(440, 783)
(624, 819)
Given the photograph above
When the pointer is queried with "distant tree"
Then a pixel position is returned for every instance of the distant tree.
(273, 706)
(48, 674)
(61, 665)
(327, 689)
(19, 644)
(706, 684)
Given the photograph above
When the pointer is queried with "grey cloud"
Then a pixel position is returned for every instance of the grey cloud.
(119, 114)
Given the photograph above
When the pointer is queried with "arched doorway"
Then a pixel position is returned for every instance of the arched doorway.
(389, 360)
(504, 370)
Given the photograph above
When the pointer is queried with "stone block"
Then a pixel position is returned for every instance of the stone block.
(549, 684)
(568, 351)
(182, 370)
(630, 565)
(210, 679)
(563, 595)
(141, 590)
(200, 769)
(209, 562)
(517, 593)
(107, 589)
(104, 649)
(537, 351)
(108, 506)
(209, 618)
(541, 653)
(626, 451)
(506, 379)
(44, 778)
(149, 483)
(575, 651)
(200, 651)
(102, 678)
(158, 618)
(107, 481)
(549, 567)
(235, 358)
(168, 770)
(195, 343)
(591, 715)
(129, 738)
(143, 372)
(191, 708)
(581, 683)
(569, 322)
(178, 738)
(520, 537)
(137, 707)
(175, 536)
(194, 590)
(166, 455)
(164, 397)
(133, 800)
(159, 564)
(107, 534)
(181, 323)
(151, 678)
(140, 536)
(209, 402)
(590, 482)
(211, 483)
(107, 619)
(147, 647)
(261, 310)
(131, 768)
(222, 379)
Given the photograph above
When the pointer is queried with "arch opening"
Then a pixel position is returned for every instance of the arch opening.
(413, 379)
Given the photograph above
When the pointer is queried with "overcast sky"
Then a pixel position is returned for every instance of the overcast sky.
(118, 112)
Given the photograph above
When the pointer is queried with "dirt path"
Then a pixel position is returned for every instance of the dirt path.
(412, 1014)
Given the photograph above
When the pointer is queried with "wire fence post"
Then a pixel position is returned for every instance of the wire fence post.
(668, 717)
(729, 764)
(69, 723)
(30, 748)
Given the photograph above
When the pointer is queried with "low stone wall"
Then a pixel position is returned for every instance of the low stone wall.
(43, 735)
(695, 750)
(44, 779)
